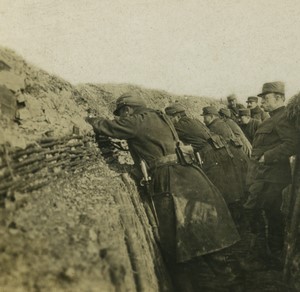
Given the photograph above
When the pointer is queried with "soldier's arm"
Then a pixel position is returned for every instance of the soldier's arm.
(124, 128)
(289, 143)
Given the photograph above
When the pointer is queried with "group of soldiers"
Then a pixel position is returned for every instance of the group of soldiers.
(210, 181)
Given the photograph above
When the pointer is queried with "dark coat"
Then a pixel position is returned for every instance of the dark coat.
(218, 165)
(241, 160)
(235, 111)
(258, 114)
(250, 129)
(193, 217)
(222, 128)
(277, 140)
(237, 131)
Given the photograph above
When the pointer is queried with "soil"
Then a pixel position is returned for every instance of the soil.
(87, 229)
(80, 233)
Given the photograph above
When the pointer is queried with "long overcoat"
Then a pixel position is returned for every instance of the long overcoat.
(241, 160)
(193, 217)
(218, 163)
(276, 139)
(237, 131)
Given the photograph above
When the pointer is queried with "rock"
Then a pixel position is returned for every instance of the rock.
(11, 80)
(70, 273)
(8, 102)
(93, 235)
(9, 205)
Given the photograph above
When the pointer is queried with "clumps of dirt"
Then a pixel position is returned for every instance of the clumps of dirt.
(45, 104)
(75, 235)
(41, 104)
(101, 97)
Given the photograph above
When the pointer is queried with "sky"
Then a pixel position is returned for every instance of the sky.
(195, 47)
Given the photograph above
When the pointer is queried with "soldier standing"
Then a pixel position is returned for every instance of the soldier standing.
(218, 126)
(234, 107)
(256, 112)
(237, 131)
(216, 156)
(274, 142)
(192, 215)
(248, 125)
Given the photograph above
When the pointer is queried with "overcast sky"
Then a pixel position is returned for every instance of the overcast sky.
(197, 47)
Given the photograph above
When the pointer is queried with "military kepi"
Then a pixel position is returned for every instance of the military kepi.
(231, 97)
(174, 108)
(252, 98)
(225, 112)
(131, 99)
(209, 110)
(244, 112)
(272, 87)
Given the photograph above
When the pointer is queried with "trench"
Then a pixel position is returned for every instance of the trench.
(71, 219)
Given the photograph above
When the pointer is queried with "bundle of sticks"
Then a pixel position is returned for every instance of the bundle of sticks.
(28, 169)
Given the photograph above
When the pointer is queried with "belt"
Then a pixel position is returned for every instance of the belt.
(168, 159)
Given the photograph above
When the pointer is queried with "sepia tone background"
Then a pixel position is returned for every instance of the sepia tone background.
(71, 219)
(208, 48)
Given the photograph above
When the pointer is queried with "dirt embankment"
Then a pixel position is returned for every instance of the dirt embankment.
(68, 222)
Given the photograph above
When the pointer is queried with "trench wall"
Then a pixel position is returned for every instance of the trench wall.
(71, 218)
(68, 222)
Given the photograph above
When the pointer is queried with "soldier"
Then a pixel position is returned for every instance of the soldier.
(248, 125)
(234, 107)
(274, 142)
(216, 157)
(193, 217)
(225, 113)
(237, 131)
(256, 112)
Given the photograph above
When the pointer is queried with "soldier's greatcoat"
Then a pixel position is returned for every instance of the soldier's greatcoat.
(241, 160)
(218, 164)
(275, 139)
(193, 216)
(237, 131)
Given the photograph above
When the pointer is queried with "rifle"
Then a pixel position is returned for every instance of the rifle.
(145, 182)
